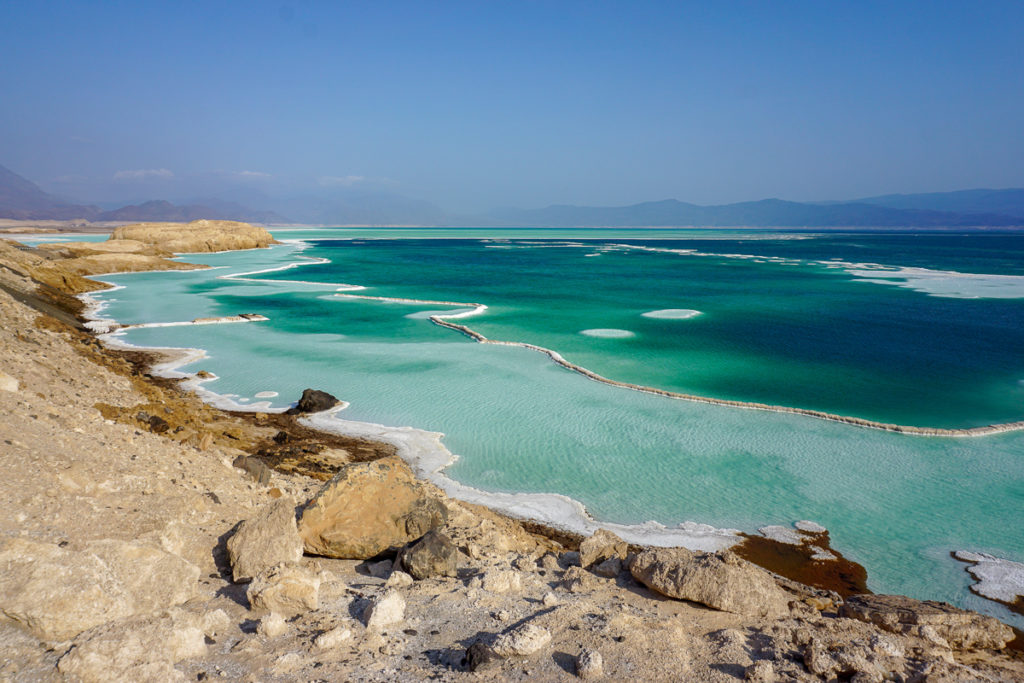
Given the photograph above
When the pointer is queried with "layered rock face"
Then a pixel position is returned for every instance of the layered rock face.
(938, 622)
(197, 236)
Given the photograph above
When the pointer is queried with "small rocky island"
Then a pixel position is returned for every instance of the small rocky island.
(151, 537)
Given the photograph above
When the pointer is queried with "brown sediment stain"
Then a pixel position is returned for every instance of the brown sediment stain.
(795, 562)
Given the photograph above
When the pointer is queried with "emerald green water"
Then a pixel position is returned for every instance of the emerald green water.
(780, 322)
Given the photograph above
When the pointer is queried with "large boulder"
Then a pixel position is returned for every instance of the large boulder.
(603, 545)
(719, 580)
(267, 539)
(58, 593)
(433, 555)
(961, 629)
(368, 508)
(313, 401)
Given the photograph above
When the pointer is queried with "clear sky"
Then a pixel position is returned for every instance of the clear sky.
(480, 104)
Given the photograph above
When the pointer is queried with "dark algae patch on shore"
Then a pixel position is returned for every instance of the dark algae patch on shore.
(796, 562)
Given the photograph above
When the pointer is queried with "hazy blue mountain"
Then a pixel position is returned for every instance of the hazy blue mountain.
(763, 213)
(1009, 202)
(22, 199)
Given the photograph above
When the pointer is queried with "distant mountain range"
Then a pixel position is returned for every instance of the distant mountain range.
(913, 211)
(23, 199)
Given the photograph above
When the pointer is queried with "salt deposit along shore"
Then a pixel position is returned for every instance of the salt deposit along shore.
(150, 536)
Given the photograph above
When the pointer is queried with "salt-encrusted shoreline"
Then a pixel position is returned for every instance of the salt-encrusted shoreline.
(169, 494)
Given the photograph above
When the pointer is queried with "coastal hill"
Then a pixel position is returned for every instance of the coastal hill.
(152, 537)
(197, 236)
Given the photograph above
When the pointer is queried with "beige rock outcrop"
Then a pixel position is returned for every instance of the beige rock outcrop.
(938, 622)
(265, 540)
(603, 545)
(197, 236)
(719, 580)
(286, 589)
(58, 593)
(368, 508)
(139, 649)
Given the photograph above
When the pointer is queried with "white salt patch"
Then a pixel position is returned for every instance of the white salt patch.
(998, 579)
(782, 534)
(266, 394)
(608, 333)
(672, 314)
(810, 527)
(943, 283)
(821, 554)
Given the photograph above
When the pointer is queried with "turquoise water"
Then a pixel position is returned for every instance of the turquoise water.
(781, 321)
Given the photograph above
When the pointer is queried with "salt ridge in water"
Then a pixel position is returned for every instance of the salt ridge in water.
(672, 314)
(608, 333)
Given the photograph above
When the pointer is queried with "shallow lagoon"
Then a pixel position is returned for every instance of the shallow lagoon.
(898, 504)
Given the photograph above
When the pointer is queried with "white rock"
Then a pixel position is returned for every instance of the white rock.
(501, 581)
(399, 579)
(385, 610)
(523, 640)
(590, 664)
(272, 625)
(8, 383)
(333, 638)
(810, 527)
(550, 599)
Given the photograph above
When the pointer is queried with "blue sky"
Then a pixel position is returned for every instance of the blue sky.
(480, 104)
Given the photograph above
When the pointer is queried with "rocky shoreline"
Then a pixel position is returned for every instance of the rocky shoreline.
(154, 537)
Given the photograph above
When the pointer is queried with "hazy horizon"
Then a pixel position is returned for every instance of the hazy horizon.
(473, 106)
